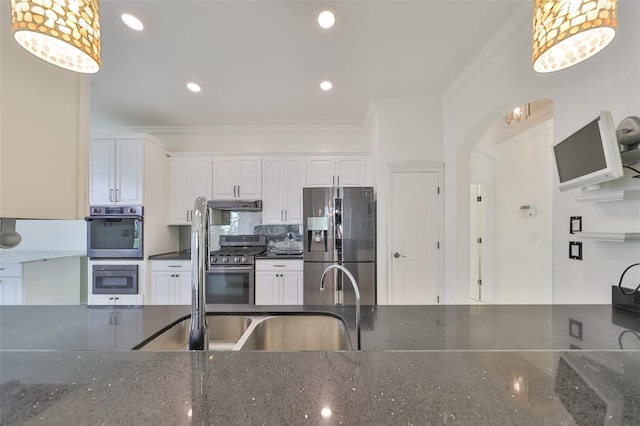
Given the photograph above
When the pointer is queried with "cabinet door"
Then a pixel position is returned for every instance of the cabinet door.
(351, 171)
(11, 292)
(272, 197)
(267, 288)
(102, 172)
(162, 288)
(200, 180)
(249, 178)
(224, 177)
(189, 179)
(178, 191)
(291, 288)
(129, 172)
(292, 185)
(320, 171)
(183, 289)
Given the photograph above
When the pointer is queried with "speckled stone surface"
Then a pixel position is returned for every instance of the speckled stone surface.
(363, 388)
(468, 365)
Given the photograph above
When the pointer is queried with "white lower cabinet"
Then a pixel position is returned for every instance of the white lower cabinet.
(279, 282)
(11, 284)
(117, 299)
(170, 282)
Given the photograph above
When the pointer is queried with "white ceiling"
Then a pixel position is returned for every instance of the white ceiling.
(261, 62)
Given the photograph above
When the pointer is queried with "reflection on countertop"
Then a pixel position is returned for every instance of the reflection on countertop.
(470, 365)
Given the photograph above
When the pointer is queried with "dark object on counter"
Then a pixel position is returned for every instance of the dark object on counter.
(625, 301)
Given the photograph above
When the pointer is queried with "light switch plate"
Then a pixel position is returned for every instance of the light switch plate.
(575, 250)
(575, 224)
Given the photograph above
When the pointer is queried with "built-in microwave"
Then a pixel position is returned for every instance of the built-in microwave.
(115, 232)
(114, 279)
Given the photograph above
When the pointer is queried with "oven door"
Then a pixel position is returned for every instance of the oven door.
(230, 285)
(114, 237)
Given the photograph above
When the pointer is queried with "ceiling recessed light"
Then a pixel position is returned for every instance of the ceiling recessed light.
(193, 87)
(326, 17)
(326, 85)
(132, 22)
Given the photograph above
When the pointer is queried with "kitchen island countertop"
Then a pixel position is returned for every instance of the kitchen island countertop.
(419, 365)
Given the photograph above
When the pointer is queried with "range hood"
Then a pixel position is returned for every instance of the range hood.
(236, 205)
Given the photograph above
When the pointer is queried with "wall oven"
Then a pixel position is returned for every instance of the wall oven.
(114, 232)
(115, 279)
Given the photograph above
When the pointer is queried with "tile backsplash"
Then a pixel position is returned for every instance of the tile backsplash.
(241, 223)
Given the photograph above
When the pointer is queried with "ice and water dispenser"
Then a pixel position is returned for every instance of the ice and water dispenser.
(317, 233)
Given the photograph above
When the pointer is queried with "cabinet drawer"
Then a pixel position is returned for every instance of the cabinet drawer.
(278, 265)
(171, 265)
(11, 270)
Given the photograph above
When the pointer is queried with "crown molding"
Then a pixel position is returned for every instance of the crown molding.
(160, 130)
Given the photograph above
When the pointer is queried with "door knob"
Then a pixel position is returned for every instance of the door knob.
(397, 255)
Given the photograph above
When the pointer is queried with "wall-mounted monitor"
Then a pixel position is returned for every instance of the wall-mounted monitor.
(589, 156)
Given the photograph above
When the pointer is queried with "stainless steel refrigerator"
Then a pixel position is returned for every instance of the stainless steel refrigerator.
(339, 226)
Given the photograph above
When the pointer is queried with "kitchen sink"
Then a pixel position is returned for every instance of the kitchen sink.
(280, 333)
(224, 332)
(297, 333)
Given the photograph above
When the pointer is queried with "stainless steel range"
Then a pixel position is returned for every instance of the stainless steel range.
(231, 275)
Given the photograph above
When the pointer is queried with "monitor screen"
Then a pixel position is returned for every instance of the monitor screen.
(590, 156)
(581, 153)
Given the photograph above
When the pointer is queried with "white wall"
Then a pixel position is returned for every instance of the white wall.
(44, 134)
(523, 244)
(55, 235)
(405, 130)
(498, 78)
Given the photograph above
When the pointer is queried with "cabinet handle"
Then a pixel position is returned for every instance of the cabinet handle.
(338, 180)
(175, 266)
(286, 215)
(281, 219)
(117, 195)
(279, 266)
(234, 191)
(238, 191)
(111, 195)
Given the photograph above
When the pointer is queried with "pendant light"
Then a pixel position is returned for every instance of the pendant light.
(65, 33)
(566, 32)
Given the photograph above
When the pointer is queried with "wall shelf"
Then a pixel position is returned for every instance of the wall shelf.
(601, 197)
(608, 236)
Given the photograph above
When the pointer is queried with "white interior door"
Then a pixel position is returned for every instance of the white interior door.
(415, 224)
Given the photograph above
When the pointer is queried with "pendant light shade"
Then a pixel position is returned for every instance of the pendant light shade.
(566, 32)
(65, 33)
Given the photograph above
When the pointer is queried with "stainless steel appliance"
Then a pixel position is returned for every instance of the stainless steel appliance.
(114, 232)
(231, 274)
(339, 226)
(115, 279)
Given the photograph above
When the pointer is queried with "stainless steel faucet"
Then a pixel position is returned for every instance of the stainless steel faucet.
(356, 289)
(198, 337)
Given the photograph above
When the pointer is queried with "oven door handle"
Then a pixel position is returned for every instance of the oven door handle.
(90, 218)
(230, 268)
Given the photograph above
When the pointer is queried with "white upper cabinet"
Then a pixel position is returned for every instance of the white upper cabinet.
(237, 178)
(117, 172)
(189, 178)
(337, 171)
(282, 182)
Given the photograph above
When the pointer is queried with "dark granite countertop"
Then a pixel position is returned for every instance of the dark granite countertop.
(562, 364)
(174, 255)
(280, 255)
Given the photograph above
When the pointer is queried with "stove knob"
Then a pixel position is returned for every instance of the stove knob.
(214, 260)
(244, 259)
(237, 259)
(225, 259)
